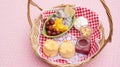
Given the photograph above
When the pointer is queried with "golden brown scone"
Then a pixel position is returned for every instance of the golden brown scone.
(50, 48)
(67, 49)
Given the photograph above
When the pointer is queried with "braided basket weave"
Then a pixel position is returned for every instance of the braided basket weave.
(35, 32)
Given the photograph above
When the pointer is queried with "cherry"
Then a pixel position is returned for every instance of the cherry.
(46, 27)
(49, 32)
(51, 22)
(50, 28)
(53, 33)
(57, 32)
(47, 23)
(54, 30)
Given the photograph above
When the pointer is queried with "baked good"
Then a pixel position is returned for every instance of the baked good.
(67, 49)
(50, 48)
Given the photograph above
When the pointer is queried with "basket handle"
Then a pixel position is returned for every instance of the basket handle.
(28, 11)
(109, 38)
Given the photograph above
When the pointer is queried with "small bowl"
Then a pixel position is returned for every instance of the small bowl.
(87, 35)
(44, 30)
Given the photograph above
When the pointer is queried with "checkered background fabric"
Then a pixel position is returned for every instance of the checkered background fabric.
(93, 23)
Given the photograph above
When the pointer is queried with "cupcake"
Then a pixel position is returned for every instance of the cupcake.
(50, 48)
(67, 49)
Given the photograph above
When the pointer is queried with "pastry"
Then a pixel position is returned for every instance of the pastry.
(79, 22)
(50, 48)
(67, 49)
(86, 31)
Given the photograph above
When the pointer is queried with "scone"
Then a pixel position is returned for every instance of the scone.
(67, 49)
(50, 48)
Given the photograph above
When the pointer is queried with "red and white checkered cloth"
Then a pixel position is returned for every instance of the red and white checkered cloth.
(93, 23)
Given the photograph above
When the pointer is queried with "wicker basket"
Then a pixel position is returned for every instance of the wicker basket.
(35, 34)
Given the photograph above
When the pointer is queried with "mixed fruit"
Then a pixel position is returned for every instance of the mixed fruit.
(56, 27)
(59, 22)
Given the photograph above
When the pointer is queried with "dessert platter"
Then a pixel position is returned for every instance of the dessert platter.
(67, 35)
